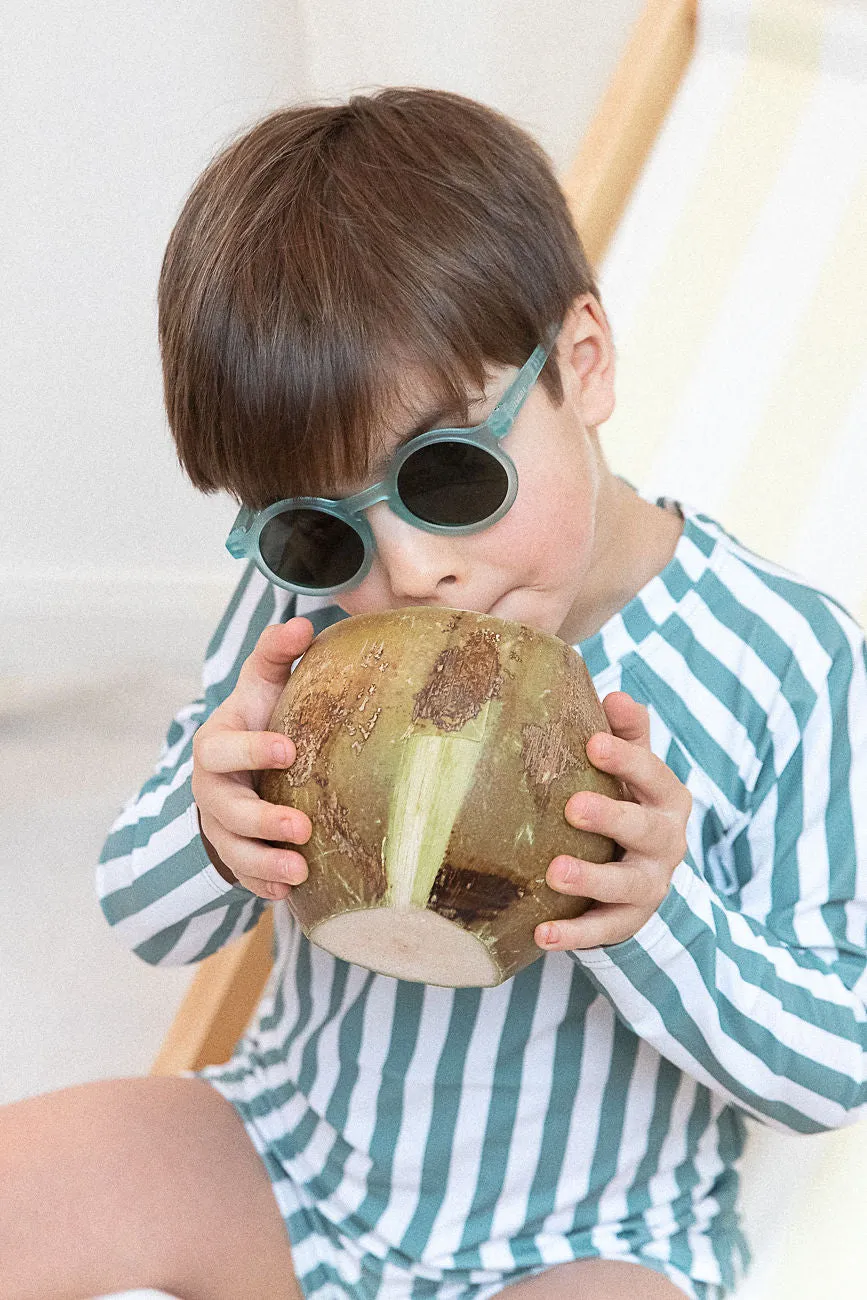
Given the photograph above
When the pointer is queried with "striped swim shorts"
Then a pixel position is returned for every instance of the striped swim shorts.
(332, 1265)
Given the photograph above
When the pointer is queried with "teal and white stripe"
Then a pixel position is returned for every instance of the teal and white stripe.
(596, 1103)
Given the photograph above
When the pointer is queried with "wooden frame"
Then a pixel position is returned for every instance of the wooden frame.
(227, 986)
(612, 155)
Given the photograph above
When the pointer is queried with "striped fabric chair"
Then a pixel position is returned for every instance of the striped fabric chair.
(721, 191)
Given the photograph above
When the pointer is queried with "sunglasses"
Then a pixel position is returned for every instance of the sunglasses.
(453, 481)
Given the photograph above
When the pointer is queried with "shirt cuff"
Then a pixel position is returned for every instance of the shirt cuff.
(671, 928)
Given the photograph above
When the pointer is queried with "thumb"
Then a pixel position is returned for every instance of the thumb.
(277, 647)
(266, 671)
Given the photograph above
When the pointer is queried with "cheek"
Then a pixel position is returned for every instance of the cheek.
(550, 526)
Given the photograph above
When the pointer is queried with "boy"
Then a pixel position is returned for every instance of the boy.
(340, 281)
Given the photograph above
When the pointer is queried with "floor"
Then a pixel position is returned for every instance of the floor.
(74, 1004)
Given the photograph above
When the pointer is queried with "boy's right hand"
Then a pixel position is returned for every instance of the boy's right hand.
(235, 823)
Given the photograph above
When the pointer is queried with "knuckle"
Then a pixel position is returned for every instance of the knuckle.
(274, 884)
(261, 647)
(268, 645)
(626, 811)
(268, 888)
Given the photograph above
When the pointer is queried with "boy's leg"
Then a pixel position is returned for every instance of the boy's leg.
(599, 1279)
(128, 1183)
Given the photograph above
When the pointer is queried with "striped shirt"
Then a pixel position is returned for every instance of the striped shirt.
(596, 1102)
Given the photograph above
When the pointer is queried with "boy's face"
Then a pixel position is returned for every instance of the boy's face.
(544, 562)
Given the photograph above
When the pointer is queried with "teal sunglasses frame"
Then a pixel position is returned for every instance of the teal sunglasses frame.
(243, 540)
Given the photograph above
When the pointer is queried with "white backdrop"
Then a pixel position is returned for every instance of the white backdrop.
(107, 554)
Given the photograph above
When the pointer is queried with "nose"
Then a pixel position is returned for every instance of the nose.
(419, 565)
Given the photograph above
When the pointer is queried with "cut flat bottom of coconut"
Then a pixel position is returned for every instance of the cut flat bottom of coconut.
(409, 943)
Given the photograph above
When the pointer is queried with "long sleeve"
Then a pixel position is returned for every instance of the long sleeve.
(155, 883)
(760, 994)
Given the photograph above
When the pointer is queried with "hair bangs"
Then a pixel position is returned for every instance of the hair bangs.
(319, 420)
(339, 270)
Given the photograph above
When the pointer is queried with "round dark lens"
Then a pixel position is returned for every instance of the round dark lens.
(452, 483)
(311, 548)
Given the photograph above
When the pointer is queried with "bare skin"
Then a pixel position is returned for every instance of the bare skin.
(128, 1183)
(595, 1279)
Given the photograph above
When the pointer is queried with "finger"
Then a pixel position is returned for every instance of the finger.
(641, 828)
(266, 671)
(259, 866)
(219, 746)
(598, 927)
(240, 810)
(650, 780)
(643, 886)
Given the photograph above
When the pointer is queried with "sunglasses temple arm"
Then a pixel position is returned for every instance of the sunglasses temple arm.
(237, 542)
(505, 413)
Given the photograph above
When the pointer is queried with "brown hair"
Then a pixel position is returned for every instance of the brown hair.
(331, 248)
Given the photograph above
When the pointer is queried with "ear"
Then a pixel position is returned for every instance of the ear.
(585, 355)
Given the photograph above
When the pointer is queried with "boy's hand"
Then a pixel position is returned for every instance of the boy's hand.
(235, 823)
(652, 831)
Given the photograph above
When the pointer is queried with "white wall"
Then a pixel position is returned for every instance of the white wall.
(106, 552)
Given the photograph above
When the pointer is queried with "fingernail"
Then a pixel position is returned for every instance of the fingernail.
(550, 934)
(602, 746)
(280, 751)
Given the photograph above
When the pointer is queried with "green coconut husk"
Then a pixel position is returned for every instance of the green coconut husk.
(436, 751)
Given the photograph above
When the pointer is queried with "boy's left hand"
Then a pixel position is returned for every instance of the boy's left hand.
(652, 831)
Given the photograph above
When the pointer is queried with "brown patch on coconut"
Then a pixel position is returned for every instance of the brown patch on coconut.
(468, 894)
(463, 678)
(363, 728)
(311, 726)
(546, 755)
(335, 828)
(581, 709)
(373, 658)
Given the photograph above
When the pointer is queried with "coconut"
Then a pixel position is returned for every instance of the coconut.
(436, 751)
